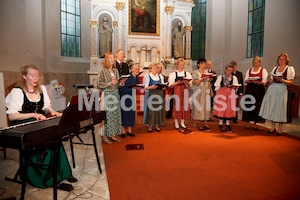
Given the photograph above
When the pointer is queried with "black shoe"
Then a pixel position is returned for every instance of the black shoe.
(235, 121)
(183, 127)
(158, 130)
(279, 134)
(247, 128)
(123, 135)
(228, 126)
(150, 130)
(220, 126)
(255, 128)
(272, 131)
(114, 140)
(204, 128)
(130, 134)
(65, 187)
(72, 179)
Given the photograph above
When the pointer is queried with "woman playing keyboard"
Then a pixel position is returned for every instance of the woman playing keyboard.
(30, 102)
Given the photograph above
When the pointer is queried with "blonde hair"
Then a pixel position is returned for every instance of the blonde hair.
(24, 72)
(106, 63)
(151, 66)
(286, 56)
(256, 58)
(179, 61)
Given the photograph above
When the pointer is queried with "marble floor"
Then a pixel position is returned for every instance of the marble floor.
(91, 184)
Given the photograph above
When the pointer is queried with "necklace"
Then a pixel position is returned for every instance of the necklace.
(31, 92)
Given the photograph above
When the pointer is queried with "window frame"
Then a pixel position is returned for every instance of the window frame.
(250, 51)
(65, 52)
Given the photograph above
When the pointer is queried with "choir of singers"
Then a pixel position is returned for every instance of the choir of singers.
(272, 106)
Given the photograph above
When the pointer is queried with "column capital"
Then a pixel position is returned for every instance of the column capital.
(115, 24)
(169, 9)
(93, 23)
(187, 1)
(120, 5)
(188, 28)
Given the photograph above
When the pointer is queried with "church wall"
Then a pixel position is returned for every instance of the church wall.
(282, 32)
(30, 34)
(18, 47)
(226, 34)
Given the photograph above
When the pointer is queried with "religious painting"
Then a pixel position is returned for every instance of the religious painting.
(144, 17)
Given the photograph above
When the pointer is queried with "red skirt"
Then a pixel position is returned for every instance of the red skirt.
(224, 107)
(182, 113)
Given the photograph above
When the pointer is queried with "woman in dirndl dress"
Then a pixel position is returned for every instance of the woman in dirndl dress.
(129, 94)
(255, 79)
(108, 82)
(274, 106)
(30, 102)
(201, 85)
(180, 82)
(154, 117)
(224, 86)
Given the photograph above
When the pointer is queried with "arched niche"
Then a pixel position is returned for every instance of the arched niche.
(112, 14)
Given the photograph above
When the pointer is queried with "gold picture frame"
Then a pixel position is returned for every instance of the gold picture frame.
(144, 17)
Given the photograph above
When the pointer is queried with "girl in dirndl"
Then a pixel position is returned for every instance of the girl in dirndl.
(276, 105)
(201, 85)
(225, 106)
(30, 102)
(155, 116)
(255, 79)
(178, 80)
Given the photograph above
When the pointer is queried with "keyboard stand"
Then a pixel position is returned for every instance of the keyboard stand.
(91, 127)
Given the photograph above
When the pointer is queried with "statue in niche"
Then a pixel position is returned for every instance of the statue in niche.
(105, 37)
(177, 41)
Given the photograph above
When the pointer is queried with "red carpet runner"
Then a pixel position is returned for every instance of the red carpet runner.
(245, 164)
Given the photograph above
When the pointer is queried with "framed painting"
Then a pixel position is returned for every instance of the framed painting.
(144, 17)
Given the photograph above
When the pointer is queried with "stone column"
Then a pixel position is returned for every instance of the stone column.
(120, 7)
(138, 56)
(115, 25)
(169, 10)
(188, 30)
(93, 24)
(148, 55)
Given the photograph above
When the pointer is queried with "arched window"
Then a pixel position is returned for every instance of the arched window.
(199, 29)
(70, 28)
(256, 23)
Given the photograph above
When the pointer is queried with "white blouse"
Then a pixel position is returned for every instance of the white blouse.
(290, 72)
(219, 79)
(14, 100)
(172, 76)
(264, 74)
(146, 79)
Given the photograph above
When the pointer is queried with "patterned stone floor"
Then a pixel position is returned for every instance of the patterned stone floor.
(91, 184)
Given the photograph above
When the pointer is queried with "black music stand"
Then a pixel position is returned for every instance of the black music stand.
(76, 122)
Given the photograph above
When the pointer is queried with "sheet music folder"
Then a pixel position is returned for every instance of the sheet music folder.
(134, 147)
(72, 115)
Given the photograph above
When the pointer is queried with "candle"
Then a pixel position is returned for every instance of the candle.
(137, 59)
(157, 60)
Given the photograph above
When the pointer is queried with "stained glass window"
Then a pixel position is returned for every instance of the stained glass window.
(70, 28)
(256, 23)
(199, 29)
